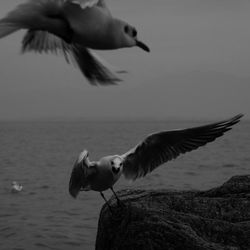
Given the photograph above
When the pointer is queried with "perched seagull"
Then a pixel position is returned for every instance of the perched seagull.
(155, 150)
(72, 27)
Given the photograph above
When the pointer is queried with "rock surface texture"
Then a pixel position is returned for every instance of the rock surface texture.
(156, 220)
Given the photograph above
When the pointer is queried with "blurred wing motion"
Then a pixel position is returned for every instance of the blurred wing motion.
(31, 15)
(82, 171)
(93, 68)
(164, 146)
(39, 15)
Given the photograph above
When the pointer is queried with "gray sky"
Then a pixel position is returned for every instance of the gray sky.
(199, 67)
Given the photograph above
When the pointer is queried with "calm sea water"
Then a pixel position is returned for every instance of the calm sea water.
(40, 155)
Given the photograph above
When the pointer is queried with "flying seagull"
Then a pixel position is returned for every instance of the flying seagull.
(155, 150)
(71, 28)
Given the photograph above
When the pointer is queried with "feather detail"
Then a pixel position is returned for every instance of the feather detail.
(164, 146)
(92, 68)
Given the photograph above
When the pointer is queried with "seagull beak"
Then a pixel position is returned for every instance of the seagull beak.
(142, 45)
(115, 170)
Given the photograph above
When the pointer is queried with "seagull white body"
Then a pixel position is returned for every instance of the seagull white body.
(98, 36)
(155, 150)
(72, 27)
(105, 172)
(15, 188)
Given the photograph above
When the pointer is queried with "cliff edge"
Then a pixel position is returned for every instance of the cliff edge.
(160, 219)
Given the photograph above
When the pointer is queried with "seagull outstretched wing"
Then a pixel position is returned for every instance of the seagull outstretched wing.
(164, 146)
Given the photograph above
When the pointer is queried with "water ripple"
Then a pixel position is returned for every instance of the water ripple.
(228, 165)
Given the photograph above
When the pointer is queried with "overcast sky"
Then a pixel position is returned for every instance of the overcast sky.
(199, 67)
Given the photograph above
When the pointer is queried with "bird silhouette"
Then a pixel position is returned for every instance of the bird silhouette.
(152, 152)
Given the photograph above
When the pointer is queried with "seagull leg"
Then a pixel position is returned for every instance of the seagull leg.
(106, 202)
(118, 200)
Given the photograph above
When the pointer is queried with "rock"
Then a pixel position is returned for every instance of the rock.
(160, 219)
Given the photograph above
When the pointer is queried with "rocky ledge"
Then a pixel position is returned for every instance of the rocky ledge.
(215, 219)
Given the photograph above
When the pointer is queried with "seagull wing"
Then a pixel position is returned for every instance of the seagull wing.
(92, 67)
(81, 175)
(164, 146)
(89, 3)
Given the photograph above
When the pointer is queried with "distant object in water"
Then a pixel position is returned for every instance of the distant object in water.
(16, 187)
(71, 28)
(155, 150)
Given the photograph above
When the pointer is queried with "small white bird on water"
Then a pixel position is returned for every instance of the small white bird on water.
(155, 150)
(70, 27)
(16, 187)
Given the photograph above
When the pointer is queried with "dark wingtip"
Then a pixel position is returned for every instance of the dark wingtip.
(236, 119)
(74, 188)
(75, 183)
(239, 116)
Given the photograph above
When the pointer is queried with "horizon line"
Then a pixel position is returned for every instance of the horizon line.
(116, 119)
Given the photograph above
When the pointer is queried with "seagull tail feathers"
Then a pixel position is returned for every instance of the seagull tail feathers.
(31, 15)
(96, 70)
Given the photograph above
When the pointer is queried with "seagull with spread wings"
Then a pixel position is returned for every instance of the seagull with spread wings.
(72, 27)
(156, 149)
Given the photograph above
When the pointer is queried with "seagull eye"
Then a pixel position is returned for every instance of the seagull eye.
(134, 33)
(112, 163)
(126, 29)
(120, 164)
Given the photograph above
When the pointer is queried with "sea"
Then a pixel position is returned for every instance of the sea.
(40, 156)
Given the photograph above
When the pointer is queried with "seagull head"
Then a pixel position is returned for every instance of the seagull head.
(116, 164)
(128, 36)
